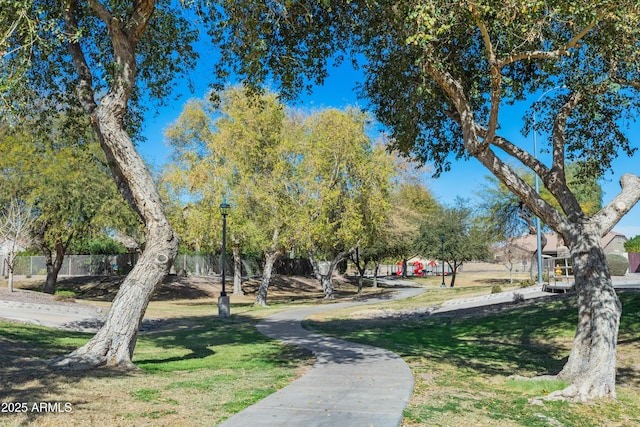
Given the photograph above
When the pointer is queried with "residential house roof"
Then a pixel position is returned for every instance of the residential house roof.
(528, 242)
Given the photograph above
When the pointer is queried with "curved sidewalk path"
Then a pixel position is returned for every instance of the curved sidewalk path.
(350, 384)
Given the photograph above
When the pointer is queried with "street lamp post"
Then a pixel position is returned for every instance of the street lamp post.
(537, 185)
(223, 301)
(442, 240)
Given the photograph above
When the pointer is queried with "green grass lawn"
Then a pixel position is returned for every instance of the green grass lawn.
(197, 375)
(207, 369)
(462, 365)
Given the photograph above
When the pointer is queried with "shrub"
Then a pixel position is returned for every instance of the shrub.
(63, 295)
(632, 245)
(618, 264)
(496, 289)
(518, 298)
(527, 283)
(98, 246)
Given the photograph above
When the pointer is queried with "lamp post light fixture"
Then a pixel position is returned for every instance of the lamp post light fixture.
(442, 240)
(223, 301)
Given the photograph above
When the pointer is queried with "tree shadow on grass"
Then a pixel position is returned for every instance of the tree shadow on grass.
(628, 376)
(523, 339)
(26, 350)
(105, 288)
(533, 338)
(342, 295)
(498, 343)
(495, 281)
(28, 380)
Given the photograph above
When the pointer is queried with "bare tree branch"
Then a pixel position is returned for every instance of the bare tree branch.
(465, 116)
(84, 90)
(609, 215)
(496, 77)
(553, 54)
(521, 155)
(15, 223)
(520, 188)
(556, 181)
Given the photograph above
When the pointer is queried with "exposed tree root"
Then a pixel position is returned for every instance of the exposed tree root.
(537, 378)
(78, 363)
(576, 392)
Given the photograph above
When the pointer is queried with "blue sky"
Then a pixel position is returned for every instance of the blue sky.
(465, 179)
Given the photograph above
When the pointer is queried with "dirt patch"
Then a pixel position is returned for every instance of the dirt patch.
(104, 289)
(100, 290)
(31, 296)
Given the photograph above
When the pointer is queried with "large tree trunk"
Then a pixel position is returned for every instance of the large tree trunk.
(10, 284)
(53, 266)
(327, 285)
(361, 266)
(326, 280)
(53, 269)
(115, 341)
(315, 265)
(376, 270)
(454, 271)
(10, 262)
(591, 368)
(270, 259)
(360, 283)
(237, 270)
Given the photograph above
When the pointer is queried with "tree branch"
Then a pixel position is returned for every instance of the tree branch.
(554, 54)
(556, 181)
(102, 12)
(536, 54)
(521, 155)
(143, 9)
(496, 77)
(622, 81)
(84, 90)
(465, 117)
(524, 191)
(609, 215)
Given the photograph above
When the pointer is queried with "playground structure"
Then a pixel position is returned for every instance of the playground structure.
(559, 275)
(417, 268)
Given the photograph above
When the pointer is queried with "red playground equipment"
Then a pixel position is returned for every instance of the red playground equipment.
(400, 268)
(418, 268)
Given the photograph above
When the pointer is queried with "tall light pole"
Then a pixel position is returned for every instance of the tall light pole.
(223, 301)
(442, 240)
(537, 186)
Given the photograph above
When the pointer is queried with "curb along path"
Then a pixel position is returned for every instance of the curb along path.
(349, 385)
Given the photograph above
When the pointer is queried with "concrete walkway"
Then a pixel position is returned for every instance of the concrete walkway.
(349, 385)
(52, 315)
